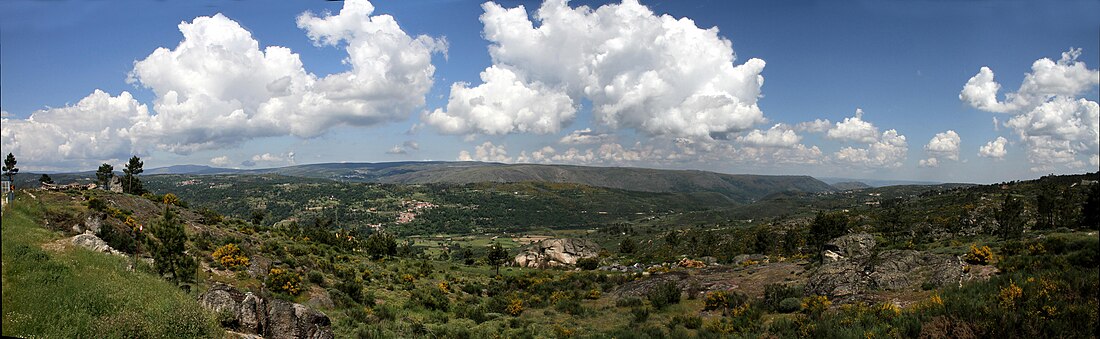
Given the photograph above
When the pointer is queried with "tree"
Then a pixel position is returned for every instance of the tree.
(1045, 207)
(627, 246)
(9, 167)
(104, 174)
(496, 256)
(1091, 208)
(257, 217)
(1010, 218)
(168, 249)
(45, 179)
(825, 227)
(891, 218)
(133, 168)
(380, 244)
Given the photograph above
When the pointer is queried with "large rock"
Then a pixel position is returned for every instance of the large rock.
(94, 243)
(851, 267)
(287, 320)
(852, 246)
(556, 253)
(250, 314)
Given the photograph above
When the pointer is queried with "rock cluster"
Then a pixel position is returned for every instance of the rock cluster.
(557, 253)
(851, 267)
(94, 243)
(251, 314)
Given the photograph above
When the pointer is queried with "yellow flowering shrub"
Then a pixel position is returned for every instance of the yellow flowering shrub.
(1010, 294)
(979, 255)
(515, 307)
(283, 280)
(230, 256)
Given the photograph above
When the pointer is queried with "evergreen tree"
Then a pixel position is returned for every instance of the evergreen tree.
(825, 227)
(380, 244)
(496, 256)
(104, 174)
(1091, 208)
(627, 246)
(168, 249)
(45, 179)
(9, 168)
(1045, 206)
(1010, 218)
(133, 168)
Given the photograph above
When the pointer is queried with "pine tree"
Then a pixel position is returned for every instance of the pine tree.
(104, 174)
(168, 249)
(133, 168)
(9, 167)
(1010, 218)
(496, 256)
(45, 179)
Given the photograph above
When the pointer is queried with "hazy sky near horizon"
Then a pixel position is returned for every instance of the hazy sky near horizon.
(976, 91)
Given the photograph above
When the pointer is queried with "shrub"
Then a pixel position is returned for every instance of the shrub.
(815, 305)
(689, 321)
(629, 302)
(284, 281)
(430, 298)
(774, 294)
(789, 305)
(230, 256)
(515, 307)
(97, 204)
(641, 314)
(724, 300)
(664, 294)
(588, 263)
(315, 277)
(979, 255)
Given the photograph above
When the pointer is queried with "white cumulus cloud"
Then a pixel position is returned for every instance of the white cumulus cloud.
(943, 145)
(504, 103)
(853, 129)
(97, 128)
(777, 136)
(887, 151)
(1053, 122)
(487, 152)
(220, 161)
(659, 75)
(585, 137)
(994, 148)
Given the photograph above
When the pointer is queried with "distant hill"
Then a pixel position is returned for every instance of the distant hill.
(189, 169)
(850, 186)
(876, 183)
(740, 188)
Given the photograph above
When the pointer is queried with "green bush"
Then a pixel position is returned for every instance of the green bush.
(641, 314)
(629, 302)
(588, 263)
(664, 294)
(792, 304)
(774, 294)
(431, 298)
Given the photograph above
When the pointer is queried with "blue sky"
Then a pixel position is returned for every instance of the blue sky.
(903, 64)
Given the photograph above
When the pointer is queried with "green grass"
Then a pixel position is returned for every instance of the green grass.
(76, 293)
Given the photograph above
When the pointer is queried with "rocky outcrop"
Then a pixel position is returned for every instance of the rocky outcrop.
(91, 223)
(851, 267)
(94, 243)
(250, 314)
(854, 246)
(556, 253)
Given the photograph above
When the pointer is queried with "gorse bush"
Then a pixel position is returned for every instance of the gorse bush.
(284, 281)
(979, 255)
(230, 256)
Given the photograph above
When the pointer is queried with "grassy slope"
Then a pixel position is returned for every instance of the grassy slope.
(78, 293)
